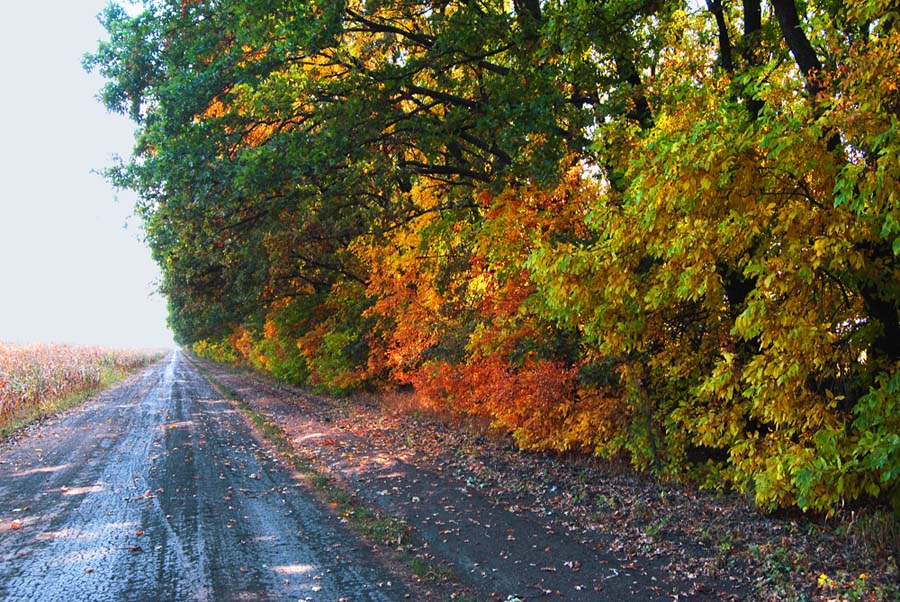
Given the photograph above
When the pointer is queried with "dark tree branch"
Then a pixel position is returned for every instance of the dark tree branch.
(528, 14)
(640, 112)
(450, 99)
(752, 20)
(725, 60)
(381, 27)
(804, 53)
(749, 46)
(445, 170)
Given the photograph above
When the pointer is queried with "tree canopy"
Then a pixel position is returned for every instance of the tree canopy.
(653, 229)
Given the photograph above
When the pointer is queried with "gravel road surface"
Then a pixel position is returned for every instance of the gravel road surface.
(158, 490)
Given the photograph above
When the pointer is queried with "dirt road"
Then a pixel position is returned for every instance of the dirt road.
(158, 490)
(499, 544)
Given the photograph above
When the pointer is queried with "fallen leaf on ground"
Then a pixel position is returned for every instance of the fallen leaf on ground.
(575, 565)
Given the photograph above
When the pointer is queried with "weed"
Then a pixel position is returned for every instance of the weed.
(321, 481)
(777, 566)
(875, 532)
(607, 502)
(723, 553)
(429, 571)
(857, 589)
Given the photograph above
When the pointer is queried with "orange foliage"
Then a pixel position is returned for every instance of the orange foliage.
(532, 400)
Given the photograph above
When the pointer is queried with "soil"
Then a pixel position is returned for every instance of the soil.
(517, 525)
(159, 490)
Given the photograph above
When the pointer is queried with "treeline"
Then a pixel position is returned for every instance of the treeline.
(649, 229)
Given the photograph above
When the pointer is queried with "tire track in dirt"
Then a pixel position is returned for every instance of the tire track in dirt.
(158, 490)
(498, 552)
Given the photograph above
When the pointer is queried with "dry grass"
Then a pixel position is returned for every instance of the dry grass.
(875, 532)
(36, 380)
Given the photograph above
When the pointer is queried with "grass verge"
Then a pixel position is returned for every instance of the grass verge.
(375, 526)
(25, 416)
(378, 527)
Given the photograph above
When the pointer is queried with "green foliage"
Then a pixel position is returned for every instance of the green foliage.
(653, 230)
(217, 351)
(277, 351)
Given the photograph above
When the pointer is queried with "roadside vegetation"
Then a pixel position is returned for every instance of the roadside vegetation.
(716, 544)
(666, 232)
(39, 380)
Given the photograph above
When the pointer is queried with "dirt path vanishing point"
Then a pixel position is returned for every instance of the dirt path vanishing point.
(159, 490)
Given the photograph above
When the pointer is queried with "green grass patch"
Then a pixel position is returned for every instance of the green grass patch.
(30, 414)
(429, 571)
(321, 481)
(378, 526)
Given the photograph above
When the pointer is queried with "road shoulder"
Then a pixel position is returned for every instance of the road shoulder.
(499, 544)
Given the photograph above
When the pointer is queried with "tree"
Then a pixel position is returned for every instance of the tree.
(642, 228)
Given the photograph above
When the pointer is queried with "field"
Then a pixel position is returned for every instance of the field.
(36, 379)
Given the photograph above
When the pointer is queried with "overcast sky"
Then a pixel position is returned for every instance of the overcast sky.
(70, 269)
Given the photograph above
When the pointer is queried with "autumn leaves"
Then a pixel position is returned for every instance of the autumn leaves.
(624, 229)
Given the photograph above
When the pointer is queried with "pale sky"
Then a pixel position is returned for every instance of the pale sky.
(70, 271)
